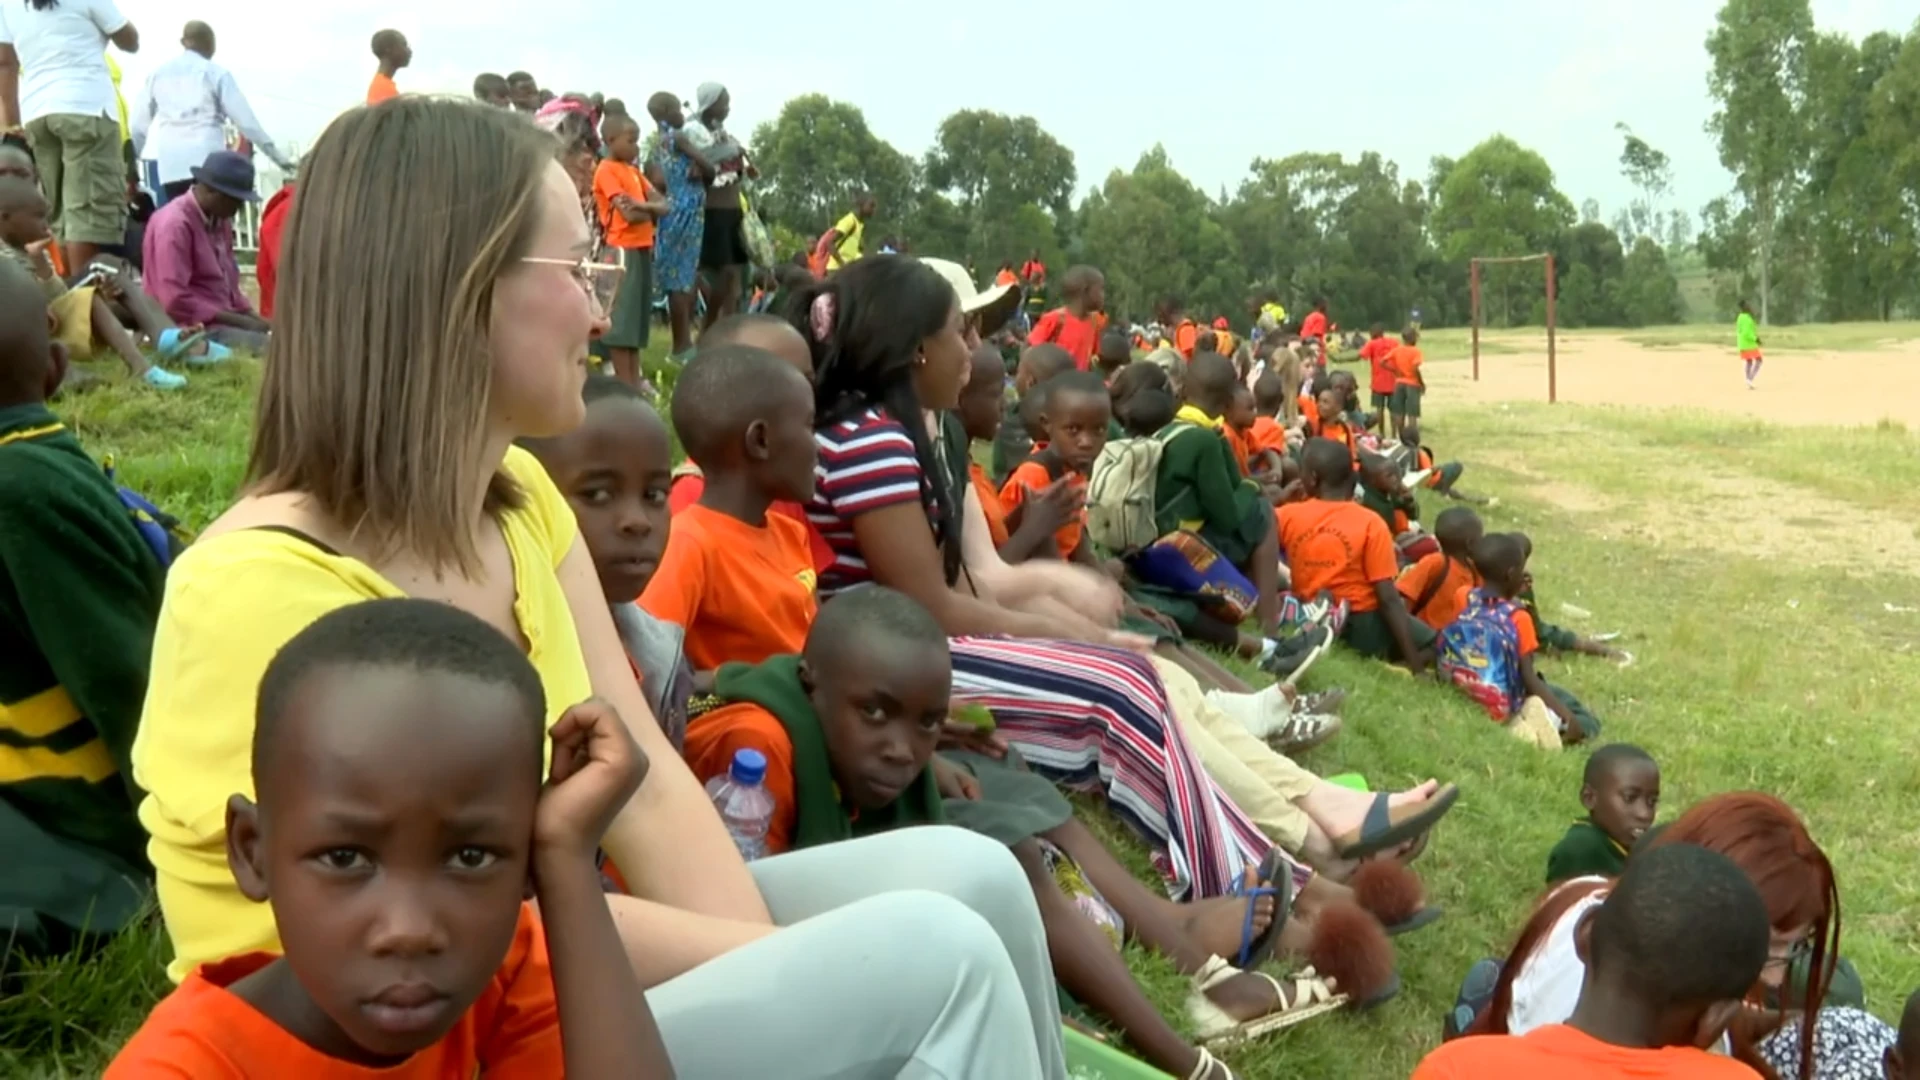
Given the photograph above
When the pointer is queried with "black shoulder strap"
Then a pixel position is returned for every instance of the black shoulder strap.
(1433, 587)
(310, 541)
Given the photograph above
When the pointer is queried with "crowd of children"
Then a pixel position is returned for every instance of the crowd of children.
(1227, 496)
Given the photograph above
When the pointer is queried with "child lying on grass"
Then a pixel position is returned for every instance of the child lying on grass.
(398, 817)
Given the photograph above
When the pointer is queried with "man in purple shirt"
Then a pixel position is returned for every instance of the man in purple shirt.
(189, 255)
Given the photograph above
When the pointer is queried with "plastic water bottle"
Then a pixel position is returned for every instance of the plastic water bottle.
(743, 802)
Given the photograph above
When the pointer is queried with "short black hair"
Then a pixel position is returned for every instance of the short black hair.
(1606, 757)
(722, 390)
(612, 124)
(1147, 410)
(660, 102)
(518, 77)
(858, 618)
(418, 635)
(1685, 924)
(730, 330)
(1116, 341)
(1410, 336)
(385, 40)
(1047, 360)
(1498, 556)
(487, 84)
(1328, 462)
(1269, 393)
(1137, 376)
(1074, 382)
(26, 353)
(1454, 522)
(600, 386)
(1078, 279)
(1210, 374)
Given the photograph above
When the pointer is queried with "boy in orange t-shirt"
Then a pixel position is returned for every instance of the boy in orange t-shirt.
(1501, 560)
(1075, 326)
(1075, 410)
(1408, 385)
(1267, 433)
(1240, 418)
(1671, 954)
(390, 48)
(627, 207)
(739, 579)
(1335, 545)
(397, 818)
(1375, 352)
(1436, 587)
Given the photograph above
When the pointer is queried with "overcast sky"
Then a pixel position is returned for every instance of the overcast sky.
(1409, 78)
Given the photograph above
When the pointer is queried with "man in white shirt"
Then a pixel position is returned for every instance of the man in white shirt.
(54, 84)
(182, 116)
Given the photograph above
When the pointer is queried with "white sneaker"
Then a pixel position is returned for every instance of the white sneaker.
(1264, 713)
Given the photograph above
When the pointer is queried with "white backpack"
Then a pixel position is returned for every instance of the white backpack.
(1121, 497)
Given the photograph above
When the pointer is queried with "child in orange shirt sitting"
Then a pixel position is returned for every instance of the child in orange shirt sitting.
(1670, 956)
(1436, 587)
(1268, 433)
(1334, 544)
(398, 816)
(1238, 430)
(1073, 411)
(739, 579)
(849, 729)
(627, 207)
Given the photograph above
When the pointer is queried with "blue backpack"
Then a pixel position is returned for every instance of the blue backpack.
(1480, 654)
(162, 531)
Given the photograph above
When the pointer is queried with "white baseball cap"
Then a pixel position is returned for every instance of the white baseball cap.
(994, 306)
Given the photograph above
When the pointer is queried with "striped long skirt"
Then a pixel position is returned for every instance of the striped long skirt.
(1096, 719)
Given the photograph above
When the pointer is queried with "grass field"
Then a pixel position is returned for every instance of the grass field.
(1765, 577)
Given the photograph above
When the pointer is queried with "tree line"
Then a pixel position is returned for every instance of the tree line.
(1821, 134)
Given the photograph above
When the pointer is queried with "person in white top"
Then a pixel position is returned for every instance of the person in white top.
(54, 85)
(182, 116)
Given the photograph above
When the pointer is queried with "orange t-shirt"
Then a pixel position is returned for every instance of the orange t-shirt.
(1310, 409)
(686, 489)
(381, 89)
(712, 740)
(1240, 443)
(611, 178)
(989, 505)
(1375, 353)
(1338, 431)
(1314, 326)
(1030, 477)
(741, 592)
(1080, 337)
(1444, 600)
(1006, 277)
(203, 1031)
(1405, 360)
(1342, 547)
(1566, 1053)
(1522, 621)
(1266, 434)
(1185, 336)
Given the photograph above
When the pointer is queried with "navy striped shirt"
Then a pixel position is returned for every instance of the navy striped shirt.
(866, 464)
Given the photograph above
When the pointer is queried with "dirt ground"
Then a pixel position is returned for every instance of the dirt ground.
(1795, 387)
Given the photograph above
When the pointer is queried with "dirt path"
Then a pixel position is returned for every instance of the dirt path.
(1799, 387)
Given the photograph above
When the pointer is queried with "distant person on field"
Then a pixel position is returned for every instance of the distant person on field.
(1670, 955)
(182, 115)
(492, 89)
(627, 207)
(1621, 793)
(190, 265)
(1375, 352)
(1746, 338)
(1076, 325)
(390, 48)
(55, 86)
(1313, 328)
(1182, 332)
(846, 241)
(1409, 386)
(82, 594)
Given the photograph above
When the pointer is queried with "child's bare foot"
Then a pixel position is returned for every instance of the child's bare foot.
(1217, 925)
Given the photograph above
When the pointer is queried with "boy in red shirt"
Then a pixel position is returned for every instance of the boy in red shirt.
(1076, 325)
(1375, 352)
(398, 816)
(1408, 385)
(627, 206)
(1314, 327)
(1670, 956)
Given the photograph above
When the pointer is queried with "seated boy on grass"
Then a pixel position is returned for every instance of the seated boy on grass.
(1199, 487)
(398, 815)
(1436, 587)
(1038, 364)
(1488, 651)
(1621, 791)
(615, 469)
(849, 730)
(79, 596)
(1670, 955)
(1336, 546)
(1268, 432)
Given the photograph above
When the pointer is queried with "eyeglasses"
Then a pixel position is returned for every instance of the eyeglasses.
(600, 280)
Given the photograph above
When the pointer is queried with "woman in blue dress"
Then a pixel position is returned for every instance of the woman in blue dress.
(677, 168)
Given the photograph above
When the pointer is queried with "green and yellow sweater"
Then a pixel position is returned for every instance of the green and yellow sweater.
(1199, 487)
(1585, 851)
(79, 595)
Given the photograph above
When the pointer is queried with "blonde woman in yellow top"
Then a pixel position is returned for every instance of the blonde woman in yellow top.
(431, 313)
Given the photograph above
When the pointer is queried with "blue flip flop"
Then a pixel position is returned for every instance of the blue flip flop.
(1255, 949)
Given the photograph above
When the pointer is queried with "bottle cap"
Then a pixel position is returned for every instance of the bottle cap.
(749, 767)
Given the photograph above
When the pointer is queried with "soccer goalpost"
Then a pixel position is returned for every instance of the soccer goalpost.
(1553, 389)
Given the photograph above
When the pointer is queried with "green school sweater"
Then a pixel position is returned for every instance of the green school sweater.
(1585, 850)
(821, 818)
(1746, 333)
(79, 595)
(1199, 482)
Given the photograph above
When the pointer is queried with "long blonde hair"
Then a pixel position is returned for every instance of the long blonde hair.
(377, 384)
